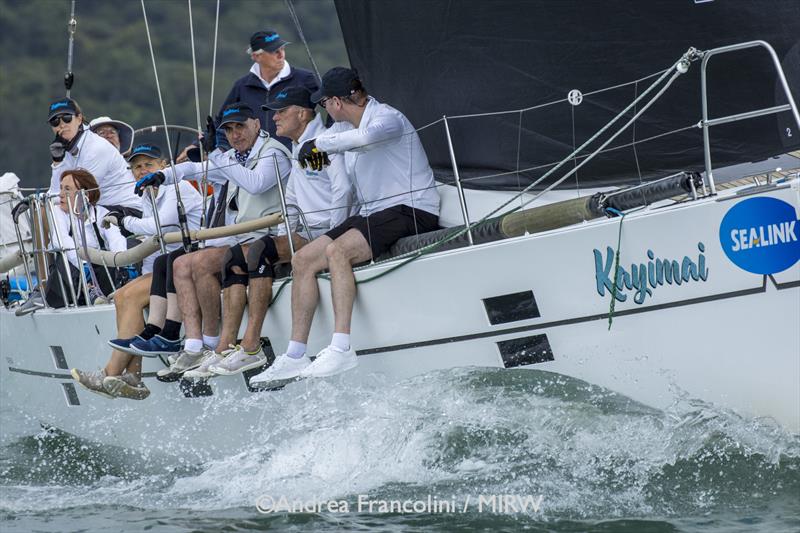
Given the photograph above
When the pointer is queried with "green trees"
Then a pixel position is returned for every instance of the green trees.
(113, 69)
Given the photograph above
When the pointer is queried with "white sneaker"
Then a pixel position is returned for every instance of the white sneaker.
(212, 358)
(239, 361)
(329, 362)
(284, 368)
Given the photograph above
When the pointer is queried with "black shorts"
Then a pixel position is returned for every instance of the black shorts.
(384, 228)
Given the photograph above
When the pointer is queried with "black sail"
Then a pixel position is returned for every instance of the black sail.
(431, 58)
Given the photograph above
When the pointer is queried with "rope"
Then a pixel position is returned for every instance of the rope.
(181, 209)
(616, 266)
(296, 21)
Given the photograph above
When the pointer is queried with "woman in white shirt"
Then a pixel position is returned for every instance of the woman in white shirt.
(75, 230)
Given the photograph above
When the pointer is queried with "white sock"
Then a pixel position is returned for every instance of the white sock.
(193, 345)
(341, 341)
(296, 350)
(211, 342)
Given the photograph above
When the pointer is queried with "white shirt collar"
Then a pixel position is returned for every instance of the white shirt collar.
(283, 74)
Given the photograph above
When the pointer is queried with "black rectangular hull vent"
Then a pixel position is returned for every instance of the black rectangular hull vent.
(511, 307)
(525, 351)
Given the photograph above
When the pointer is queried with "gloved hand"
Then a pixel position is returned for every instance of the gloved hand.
(58, 149)
(309, 155)
(154, 179)
(20, 208)
(209, 138)
(114, 217)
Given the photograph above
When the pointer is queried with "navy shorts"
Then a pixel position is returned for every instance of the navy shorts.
(384, 228)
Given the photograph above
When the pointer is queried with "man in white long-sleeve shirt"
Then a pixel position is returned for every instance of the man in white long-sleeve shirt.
(394, 184)
(75, 146)
(325, 199)
(246, 178)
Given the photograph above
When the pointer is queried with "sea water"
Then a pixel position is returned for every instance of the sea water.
(465, 449)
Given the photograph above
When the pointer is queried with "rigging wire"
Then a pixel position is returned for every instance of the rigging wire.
(203, 180)
(187, 243)
(72, 25)
(296, 20)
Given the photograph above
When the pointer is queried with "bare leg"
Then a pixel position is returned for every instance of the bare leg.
(205, 270)
(129, 302)
(234, 298)
(305, 292)
(342, 254)
(260, 296)
(187, 298)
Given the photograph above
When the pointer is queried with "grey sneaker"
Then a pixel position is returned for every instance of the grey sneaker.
(34, 303)
(186, 361)
(91, 381)
(126, 386)
(202, 371)
(239, 361)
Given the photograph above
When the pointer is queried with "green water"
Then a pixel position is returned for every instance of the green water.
(594, 461)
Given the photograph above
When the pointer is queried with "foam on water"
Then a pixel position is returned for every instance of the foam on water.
(590, 453)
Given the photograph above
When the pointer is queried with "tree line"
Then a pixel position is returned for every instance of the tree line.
(113, 68)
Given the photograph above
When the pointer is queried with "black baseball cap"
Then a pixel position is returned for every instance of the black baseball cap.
(268, 41)
(338, 81)
(290, 96)
(236, 112)
(62, 106)
(149, 150)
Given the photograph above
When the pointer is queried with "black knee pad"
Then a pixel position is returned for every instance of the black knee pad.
(158, 287)
(234, 257)
(171, 257)
(261, 258)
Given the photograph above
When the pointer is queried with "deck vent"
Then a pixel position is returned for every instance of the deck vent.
(59, 359)
(70, 394)
(511, 307)
(525, 351)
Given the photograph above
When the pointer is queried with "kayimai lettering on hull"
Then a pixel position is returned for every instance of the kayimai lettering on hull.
(760, 235)
(642, 278)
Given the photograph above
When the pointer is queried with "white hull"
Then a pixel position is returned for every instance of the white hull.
(732, 339)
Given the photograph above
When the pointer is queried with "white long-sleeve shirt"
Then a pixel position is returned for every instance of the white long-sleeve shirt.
(167, 205)
(326, 197)
(106, 164)
(114, 241)
(385, 159)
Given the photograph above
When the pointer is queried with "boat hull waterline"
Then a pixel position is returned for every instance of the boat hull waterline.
(688, 322)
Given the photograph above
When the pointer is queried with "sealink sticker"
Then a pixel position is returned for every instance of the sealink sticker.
(760, 235)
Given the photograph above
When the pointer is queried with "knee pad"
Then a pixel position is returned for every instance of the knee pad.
(171, 257)
(234, 257)
(261, 258)
(158, 287)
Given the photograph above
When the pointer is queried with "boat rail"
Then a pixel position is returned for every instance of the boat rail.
(525, 196)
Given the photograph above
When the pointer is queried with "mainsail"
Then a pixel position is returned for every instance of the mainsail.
(431, 58)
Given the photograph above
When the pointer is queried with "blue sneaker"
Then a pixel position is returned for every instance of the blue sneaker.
(124, 345)
(154, 347)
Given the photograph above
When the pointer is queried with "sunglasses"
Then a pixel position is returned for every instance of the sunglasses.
(324, 102)
(56, 120)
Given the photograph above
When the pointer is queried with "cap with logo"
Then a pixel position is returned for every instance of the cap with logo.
(148, 150)
(338, 81)
(236, 112)
(62, 106)
(290, 96)
(268, 41)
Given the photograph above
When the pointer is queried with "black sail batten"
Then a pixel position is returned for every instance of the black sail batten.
(431, 58)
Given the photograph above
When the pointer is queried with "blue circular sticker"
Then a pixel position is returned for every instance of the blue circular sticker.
(760, 235)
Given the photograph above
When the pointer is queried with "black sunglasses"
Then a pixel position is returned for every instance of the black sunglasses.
(56, 120)
(324, 102)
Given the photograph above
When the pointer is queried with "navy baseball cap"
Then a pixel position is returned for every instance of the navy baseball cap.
(268, 41)
(149, 150)
(236, 112)
(62, 106)
(290, 96)
(338, 81)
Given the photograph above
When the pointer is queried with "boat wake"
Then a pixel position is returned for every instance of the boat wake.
(590, 454)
